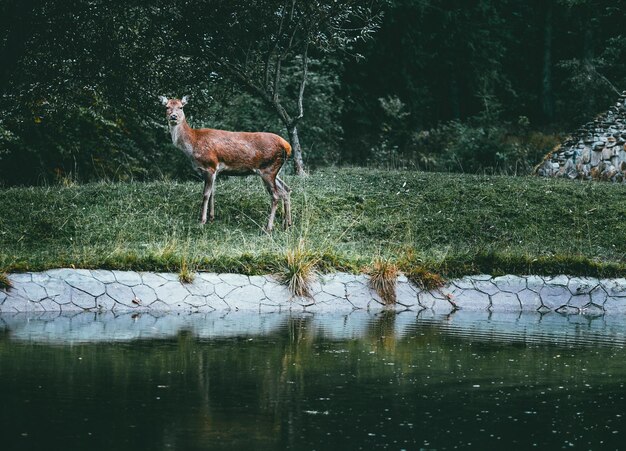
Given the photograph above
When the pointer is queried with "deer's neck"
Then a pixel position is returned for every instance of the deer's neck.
(181, 137)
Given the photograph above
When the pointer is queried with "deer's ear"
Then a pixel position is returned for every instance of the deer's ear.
(163, 100)
(184, 100)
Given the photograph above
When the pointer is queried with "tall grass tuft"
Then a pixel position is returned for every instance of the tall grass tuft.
(186, 273)
(413, 268)
(5, 282)
(383, 274)
(423, 278)
(298, 271)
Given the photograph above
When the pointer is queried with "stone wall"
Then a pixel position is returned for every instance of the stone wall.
(595, 151)
(75, 290)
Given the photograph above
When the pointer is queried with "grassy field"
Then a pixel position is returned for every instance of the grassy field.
(449, 223)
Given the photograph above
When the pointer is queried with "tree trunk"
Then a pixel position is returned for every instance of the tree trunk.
(547, 95)
(298, 164)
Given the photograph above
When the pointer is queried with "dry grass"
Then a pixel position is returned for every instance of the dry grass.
(299, 270)
(424, 279)
(383, 279)
(186, 274)
(5, 282)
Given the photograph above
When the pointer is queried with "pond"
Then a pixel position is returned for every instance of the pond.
(279, 381)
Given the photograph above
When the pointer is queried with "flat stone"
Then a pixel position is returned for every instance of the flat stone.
(592, 310)
(236, 280)
(582, 285)
(481, 277)
(453, 292)
(579, 300)
(425, 299)
(486, 286)
(58, 291)
(510, 284)
(16, 304)
(153, 280)
(276, 292)
(359, 294)
(473, 300)
(465, 283)
(568, 310)
(69, 307)
(103, 275)
(222, 289)
(327, 298)
(3, 296)
(245, 297)
(443, 307)
(83, 300)
(30, 291)
(200, 287)
(195, 300)
(204, 309)
(598, 295)
(258, 281)
(534, 283)
(213, 278)
(145, 294)
(529, 300)
(122, 294)
(615, 305)
(557, 280)
(615, 287)
(342, 277)
(160, 306)
(20, 278)
(60, 273)
(506, 301)
(86, 283)
(105, 302)
(49, 305)
(315, 287)
(406, 294)
(172, 293)
(128, 278)
(40, 278)
(35, 307)
(554, 296)
(337, 289)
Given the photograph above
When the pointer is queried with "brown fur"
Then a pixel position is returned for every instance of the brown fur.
(234, 153)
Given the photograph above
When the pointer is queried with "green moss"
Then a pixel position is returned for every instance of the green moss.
(454, 224)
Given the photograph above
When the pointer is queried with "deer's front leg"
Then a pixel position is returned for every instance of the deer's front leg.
(206, 195)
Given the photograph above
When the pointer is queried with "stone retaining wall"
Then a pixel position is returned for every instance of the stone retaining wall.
(597, 150)
(71, 290)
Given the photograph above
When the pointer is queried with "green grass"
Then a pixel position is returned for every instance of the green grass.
(448, 223)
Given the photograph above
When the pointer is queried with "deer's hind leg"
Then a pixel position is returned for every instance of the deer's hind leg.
(284, 191)
(272, 188)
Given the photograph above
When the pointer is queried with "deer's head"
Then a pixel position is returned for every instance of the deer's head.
(174, 107)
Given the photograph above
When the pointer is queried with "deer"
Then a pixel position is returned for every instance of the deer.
(212, 152)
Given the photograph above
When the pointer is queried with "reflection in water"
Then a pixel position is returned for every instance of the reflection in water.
(246, 381)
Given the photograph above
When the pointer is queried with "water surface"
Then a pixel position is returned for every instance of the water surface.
(359, 381)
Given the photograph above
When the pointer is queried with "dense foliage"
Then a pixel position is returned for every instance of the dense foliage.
(478, 85)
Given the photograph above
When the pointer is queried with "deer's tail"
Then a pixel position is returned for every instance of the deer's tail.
(286, 148)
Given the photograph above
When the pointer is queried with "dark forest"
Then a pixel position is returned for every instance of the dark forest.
(473, 86)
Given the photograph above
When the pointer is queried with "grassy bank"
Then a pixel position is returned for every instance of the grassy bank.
(344, 219)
